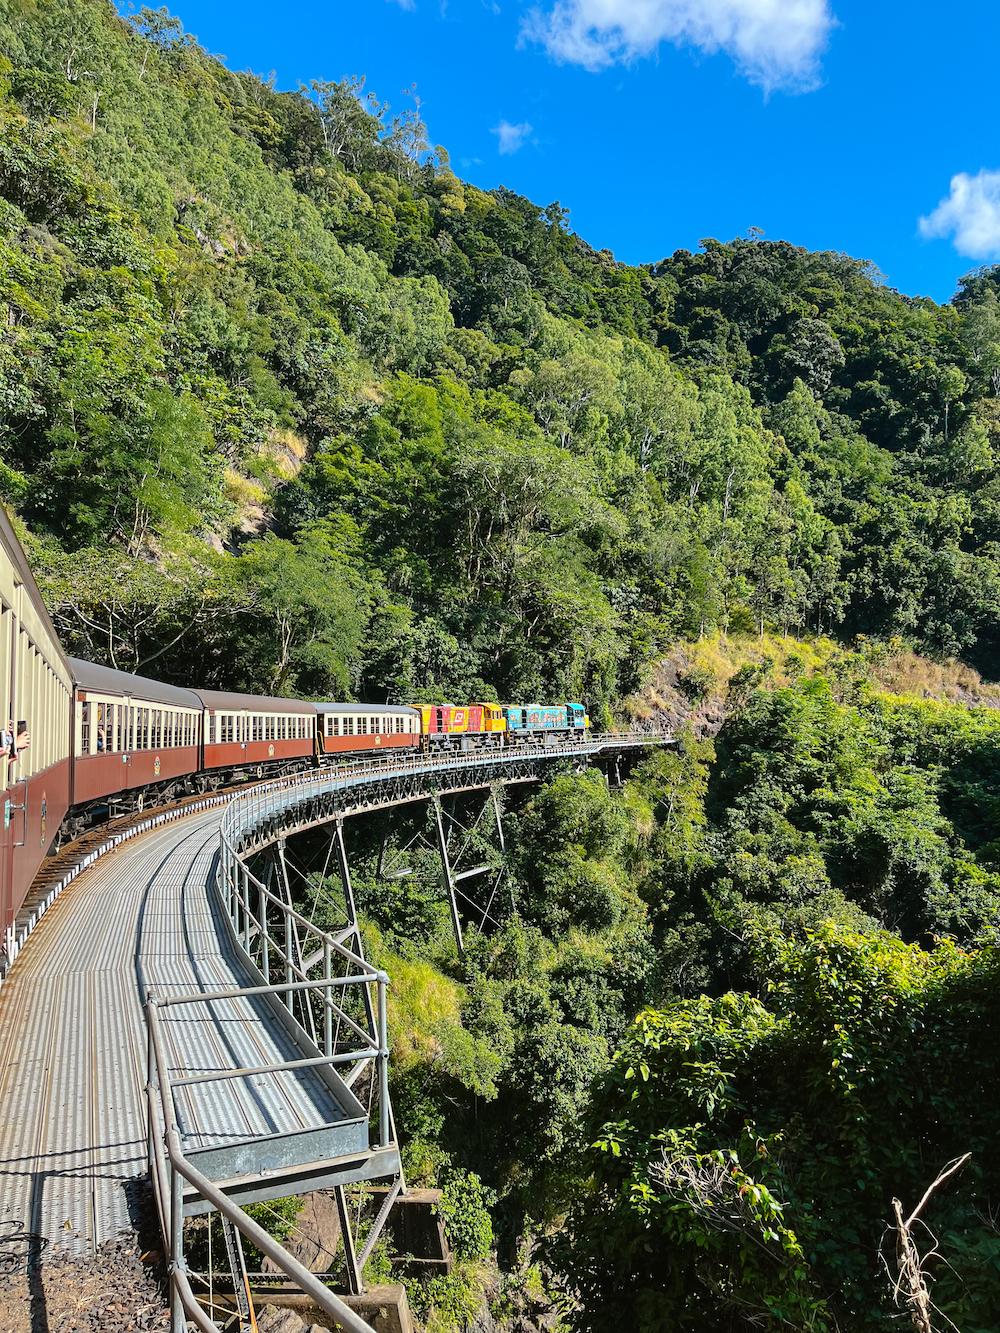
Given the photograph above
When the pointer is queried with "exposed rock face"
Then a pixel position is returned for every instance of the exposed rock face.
(316, 1236)
(671, 701)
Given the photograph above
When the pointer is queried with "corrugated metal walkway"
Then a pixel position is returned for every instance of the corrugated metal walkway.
(73, 1039)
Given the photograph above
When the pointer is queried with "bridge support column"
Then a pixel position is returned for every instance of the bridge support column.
(448, 878)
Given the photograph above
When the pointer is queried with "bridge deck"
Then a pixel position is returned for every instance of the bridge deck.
(73, 1039)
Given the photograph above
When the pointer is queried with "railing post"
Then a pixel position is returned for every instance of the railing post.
(383, 1066)
(327, 1000)
(288, 960)
(264, 937)
(178, 1320)
(244, 877)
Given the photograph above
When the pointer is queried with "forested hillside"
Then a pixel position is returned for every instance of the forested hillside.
(428, 437)
(285, 405)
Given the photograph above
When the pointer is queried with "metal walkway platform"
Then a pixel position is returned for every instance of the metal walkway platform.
(73, 1040)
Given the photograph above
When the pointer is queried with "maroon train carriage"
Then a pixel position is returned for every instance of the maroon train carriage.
(36, 686)
(347, 728)
(256, 735)
(130, 732)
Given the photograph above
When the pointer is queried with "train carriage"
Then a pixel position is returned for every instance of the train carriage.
(546, 723)
(36, 685)
(130, 732)
(346, 728)
(449, 727)
(248, 730)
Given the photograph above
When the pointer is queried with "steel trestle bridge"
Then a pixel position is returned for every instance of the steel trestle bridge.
(176, 1015)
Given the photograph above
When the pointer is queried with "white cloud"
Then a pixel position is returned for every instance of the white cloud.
(970, 215)
(776, 43)
(511, 137)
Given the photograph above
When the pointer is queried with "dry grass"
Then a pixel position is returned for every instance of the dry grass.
(710, 664)
(282, 454)
(907, 674)
(243, 492)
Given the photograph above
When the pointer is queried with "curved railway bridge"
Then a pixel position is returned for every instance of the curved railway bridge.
(174, 1016)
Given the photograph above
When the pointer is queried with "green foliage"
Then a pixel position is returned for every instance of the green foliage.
(744, 1157)
(448, 1303)
(527, 465)
(465, 1206)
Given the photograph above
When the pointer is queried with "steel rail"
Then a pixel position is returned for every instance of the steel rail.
(237, 993)
(220, 1075)
(169, 1145)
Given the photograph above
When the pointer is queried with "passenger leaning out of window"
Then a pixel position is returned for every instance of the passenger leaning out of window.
(14, 740)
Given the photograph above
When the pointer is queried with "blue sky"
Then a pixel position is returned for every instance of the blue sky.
(834, 124)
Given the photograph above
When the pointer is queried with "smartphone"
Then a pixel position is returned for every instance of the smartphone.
(22, 727)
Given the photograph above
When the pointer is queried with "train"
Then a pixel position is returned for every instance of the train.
(104, 742)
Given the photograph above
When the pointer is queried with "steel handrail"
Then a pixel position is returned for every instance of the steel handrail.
(168, 1153)
(237, 993)
(360, 768)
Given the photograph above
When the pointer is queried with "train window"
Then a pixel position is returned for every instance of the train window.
(269, 727)
(211, 729)
(105, 714)
(226, 729)
(85, 728)
(362, 726)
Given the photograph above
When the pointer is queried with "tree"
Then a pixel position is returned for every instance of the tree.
(742, 1157)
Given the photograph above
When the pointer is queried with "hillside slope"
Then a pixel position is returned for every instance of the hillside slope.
(372, 430)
